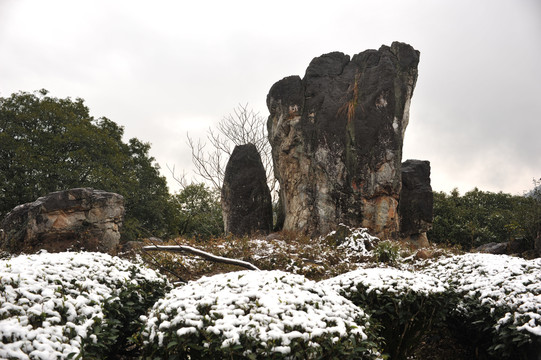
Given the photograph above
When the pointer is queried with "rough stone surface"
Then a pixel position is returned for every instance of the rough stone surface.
(518, 246)
(493, 248)
(75, 219)
(416, 241)
(416, 204)
(336, 138)
(246, 198)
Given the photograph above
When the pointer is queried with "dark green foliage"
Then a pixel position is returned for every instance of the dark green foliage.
(49, 144)
(479, 217)
(403, 316)
(198, 212)
(121, 323)
(189, 346)
(477, 325)
(387, 252)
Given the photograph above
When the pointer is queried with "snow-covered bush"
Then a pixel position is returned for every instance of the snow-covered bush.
(355, 241)
(257, 314)
(71, 305)
(500, 300)
(405, 304)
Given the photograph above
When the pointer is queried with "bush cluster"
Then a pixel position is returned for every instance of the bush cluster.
(91, 306)
(72, 305)
(257, 314)
(498, 302)
(480, 217)
(405, 305)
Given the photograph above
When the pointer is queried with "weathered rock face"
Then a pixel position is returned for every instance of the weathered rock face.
(74, 219)
(246, 198)
(416, 205)
(336, 138)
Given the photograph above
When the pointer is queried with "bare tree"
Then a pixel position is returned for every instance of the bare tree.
(241, 127)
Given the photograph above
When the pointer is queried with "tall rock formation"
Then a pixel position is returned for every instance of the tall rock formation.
(75, 219)
(246, 198)
(336, 138)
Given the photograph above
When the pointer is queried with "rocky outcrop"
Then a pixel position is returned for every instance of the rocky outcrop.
(76, 219)
(416, 205)
(246, 198)
(336, 138)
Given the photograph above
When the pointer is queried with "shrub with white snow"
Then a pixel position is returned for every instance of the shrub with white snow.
(71, 305)
(404, 303)
(500, 300)
(257, 314)
(355, 241)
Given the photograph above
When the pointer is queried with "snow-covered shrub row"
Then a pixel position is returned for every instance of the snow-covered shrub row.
(257, 314)
(404, 303)
(63, 305)
(499, 300)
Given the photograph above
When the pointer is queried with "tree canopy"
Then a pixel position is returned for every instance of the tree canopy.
(49, 144)
(479, 217)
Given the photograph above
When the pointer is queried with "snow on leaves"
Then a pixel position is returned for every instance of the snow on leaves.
(50, 303)
(263, 313)
(497, 282)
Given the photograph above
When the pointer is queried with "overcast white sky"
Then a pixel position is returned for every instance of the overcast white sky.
(165, 68)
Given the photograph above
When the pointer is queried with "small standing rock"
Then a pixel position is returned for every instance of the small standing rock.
(246, 198)
(416, 204)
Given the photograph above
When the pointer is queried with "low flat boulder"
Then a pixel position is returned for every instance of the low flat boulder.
(493, 248)
(75, 219)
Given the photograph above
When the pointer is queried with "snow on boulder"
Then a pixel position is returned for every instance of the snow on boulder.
(258, 314)
(54, 305)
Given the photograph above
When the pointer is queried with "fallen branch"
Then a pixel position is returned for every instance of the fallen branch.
(201, 253)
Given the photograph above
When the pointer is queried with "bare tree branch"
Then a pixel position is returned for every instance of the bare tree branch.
(201, 253)
(180, 179)
(241, 127)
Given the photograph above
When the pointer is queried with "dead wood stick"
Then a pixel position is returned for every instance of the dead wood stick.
(201, 253)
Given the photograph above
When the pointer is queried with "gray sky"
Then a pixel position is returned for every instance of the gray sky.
(164, 68)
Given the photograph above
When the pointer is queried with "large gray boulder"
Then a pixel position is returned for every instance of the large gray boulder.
(336, 138)
(75, 219)
(246, 198)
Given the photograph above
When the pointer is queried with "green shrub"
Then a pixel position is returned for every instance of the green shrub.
(500, 301)
(387, 252)
(72, 305)
(257, 315)
(403, 303)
